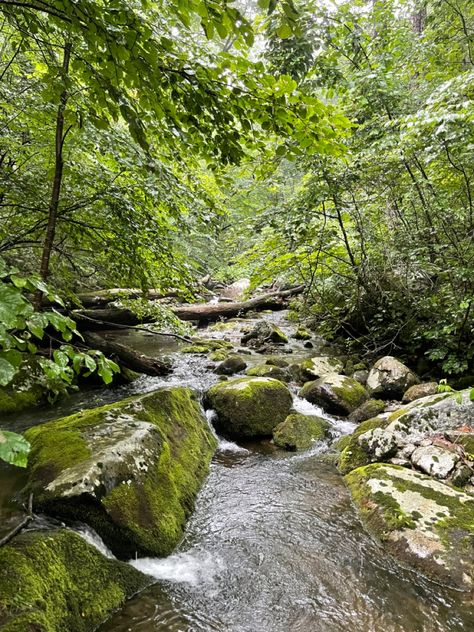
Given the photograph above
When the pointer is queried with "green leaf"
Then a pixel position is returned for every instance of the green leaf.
(14, 448)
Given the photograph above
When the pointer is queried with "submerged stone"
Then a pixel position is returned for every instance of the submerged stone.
(422, 522)
(232, 364)
(131, 470)
(249, 406)
(299, 432)
(54, 580)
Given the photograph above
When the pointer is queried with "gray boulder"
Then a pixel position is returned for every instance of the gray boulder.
(389, 378)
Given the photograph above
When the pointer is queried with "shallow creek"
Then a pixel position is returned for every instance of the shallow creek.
(274, 544)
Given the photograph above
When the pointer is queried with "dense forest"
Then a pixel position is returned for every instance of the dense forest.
(167, 164)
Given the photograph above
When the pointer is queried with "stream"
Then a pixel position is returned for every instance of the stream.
(274, 544)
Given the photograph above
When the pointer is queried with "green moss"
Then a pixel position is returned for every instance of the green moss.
(145, 510)
(14, 401)
(303, 334)
(54, 580)
(206, 345)
(268, 370)
(298, 432)
(219, 356)
(351, 392)
(249, 406)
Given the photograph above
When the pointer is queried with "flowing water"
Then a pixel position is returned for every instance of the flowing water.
(274, 544)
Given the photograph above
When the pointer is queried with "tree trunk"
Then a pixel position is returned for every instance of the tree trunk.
(127, 357)
(58, 173)
(202, 312)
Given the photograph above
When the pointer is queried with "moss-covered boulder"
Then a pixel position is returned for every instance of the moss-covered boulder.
(249, 406)
(131, 470)
(262, 333)
(317, 367)
(27, 390)
(299, 432)
(389, 378)
(52, 581)
(422, 522)
(231, 365)
(206, 345)
(268, 370)
(337, 394)
(302, 333)
(368, 410)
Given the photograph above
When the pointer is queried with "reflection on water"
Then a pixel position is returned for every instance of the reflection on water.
(275, 546)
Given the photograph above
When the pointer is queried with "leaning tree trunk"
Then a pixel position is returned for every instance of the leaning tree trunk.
(58, 174)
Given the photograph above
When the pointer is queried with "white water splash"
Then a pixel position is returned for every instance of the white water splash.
(195, 568)
(224, 445)
(341, 426)
(90, 536)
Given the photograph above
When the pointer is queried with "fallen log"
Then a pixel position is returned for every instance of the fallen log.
(101, 298)
(205, 312)
(127, 357)
(94, 319)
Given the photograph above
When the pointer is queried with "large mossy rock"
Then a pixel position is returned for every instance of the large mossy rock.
(299, 432)
(54, 581)
(390, 378)
(131, 470)
(337, 394)
(249, 406)
(422, 522)
(353, 455)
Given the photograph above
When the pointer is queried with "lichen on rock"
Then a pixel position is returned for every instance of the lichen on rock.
(131, 470)
(423, 522)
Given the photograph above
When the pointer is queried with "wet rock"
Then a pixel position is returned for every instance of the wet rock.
(55, 580)
(336, 394)
(231, 365)
(281, 362)
(264, 332)
(299, 432)
(303, 334)
(268, 370)
(389, 378)
(249, 406)
(424, 523)
(420, 390)
(320, 366)
(206, 345)
(368, 410)
(308, 345)
(130, 470)
(434, 460)
(361, 376)
(462, 474)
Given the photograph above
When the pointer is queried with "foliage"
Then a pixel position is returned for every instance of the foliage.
(14, 448)
(22, 330)
(382, 236)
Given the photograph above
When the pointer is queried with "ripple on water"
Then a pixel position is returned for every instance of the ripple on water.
(274, 546)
